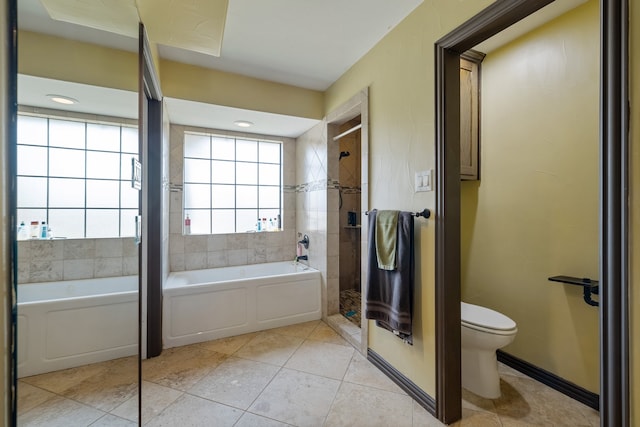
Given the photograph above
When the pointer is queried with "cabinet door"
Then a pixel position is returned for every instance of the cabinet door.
(469, 135)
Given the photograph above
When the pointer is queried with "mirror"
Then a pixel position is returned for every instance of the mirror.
(77, 323)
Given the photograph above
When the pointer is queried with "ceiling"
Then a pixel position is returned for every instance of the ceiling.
(302, 43)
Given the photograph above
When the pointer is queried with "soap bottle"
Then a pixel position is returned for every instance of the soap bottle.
(23, 233)
(43, 230)
(187, 225)
(259, 225)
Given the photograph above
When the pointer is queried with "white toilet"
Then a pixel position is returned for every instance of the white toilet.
(483, 332)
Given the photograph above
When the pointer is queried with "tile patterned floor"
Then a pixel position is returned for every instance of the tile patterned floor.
(350, 305)
(301, 375)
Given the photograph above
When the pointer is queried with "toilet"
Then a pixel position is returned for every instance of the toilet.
(483, 332)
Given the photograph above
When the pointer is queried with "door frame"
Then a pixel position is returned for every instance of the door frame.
(614, 223)
(357, 105)
(150, 254)
(8, 203)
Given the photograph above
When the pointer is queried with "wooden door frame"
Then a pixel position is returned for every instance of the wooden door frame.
(614, 346)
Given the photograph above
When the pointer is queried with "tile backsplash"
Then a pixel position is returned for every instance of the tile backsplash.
(73, 259)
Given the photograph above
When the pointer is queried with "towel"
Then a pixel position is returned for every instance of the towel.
(386, 237)
(389, 293)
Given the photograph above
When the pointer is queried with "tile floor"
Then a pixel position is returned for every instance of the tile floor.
(301, 375)
(350, 305)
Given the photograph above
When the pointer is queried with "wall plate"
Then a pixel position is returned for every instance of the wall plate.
(424, 181)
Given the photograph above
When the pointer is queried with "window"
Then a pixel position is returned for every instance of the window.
(76, 176)
(231, 182)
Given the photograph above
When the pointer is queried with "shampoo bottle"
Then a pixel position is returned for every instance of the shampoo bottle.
(33, 234)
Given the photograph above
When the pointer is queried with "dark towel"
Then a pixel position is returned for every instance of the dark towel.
(389, 299)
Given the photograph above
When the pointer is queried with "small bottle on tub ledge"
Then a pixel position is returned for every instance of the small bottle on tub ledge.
(187, 225)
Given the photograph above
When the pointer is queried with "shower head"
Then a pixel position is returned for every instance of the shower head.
(344, 154)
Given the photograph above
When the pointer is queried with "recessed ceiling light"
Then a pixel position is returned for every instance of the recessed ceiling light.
(243, 123)
(61, 99)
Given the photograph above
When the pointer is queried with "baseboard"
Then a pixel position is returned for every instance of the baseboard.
(547, 378)
(426, 401)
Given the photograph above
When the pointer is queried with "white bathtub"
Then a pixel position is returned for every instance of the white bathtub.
(66, 324)
(203, 305)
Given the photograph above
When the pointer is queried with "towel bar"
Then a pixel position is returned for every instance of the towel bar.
(425, 213)
(589, 287)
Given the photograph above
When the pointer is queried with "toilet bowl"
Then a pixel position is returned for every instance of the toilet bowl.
(483, 332)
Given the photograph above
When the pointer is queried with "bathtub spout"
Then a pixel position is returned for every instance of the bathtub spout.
(301, 257)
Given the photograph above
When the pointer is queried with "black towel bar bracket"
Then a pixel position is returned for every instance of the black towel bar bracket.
(589, 286)
(426, 213)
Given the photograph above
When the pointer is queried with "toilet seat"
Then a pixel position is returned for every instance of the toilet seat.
(486, 320)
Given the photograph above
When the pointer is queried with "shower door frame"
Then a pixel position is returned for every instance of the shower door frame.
(614, 208)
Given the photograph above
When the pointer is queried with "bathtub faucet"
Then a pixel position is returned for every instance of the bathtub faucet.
(301, 257)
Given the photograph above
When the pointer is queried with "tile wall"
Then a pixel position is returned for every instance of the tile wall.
(316, 200)
(195, 252)
(73, 259)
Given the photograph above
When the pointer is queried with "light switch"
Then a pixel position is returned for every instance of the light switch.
(424, 180)
(427, 180)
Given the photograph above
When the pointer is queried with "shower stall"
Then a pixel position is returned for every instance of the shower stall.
(350, 188)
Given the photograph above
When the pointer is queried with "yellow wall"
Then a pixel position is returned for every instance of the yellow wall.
(400, 74)
(73, 61)
(62, 59)
(534, 213)
(634, 74)
(194, 83)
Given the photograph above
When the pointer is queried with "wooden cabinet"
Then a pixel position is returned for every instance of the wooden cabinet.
(470, 115)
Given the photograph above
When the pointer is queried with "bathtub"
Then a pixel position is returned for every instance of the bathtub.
(203, 305)
(72, 323)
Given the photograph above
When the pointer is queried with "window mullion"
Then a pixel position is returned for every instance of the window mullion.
(258, 175)
(235, 184)
(86, 158)
(120, 185)
(211, 184)
(48, 172)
